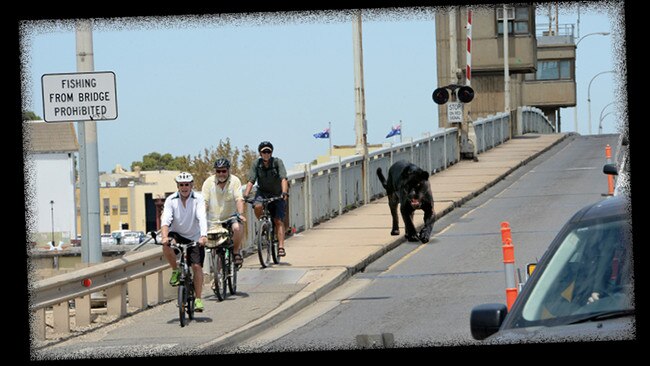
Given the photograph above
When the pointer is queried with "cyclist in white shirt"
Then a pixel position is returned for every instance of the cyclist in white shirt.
(183, 218)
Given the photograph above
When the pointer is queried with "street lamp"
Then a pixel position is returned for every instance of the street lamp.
(52, 209)
(600, 124)
(589, 95)
(575, 109)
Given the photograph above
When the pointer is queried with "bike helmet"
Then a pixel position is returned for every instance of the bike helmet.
(265, 144)
(222, 163)
(184, 177)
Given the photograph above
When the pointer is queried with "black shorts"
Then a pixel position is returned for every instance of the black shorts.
(195, 254)
(277, 209)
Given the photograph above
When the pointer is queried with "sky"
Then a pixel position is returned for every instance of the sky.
(185, 83)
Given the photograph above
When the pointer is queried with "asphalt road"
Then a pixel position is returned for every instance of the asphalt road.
(421, 295)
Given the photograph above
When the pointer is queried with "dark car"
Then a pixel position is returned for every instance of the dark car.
(581, 289)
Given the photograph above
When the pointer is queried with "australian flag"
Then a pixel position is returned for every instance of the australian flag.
(323, 135)
(397, 130)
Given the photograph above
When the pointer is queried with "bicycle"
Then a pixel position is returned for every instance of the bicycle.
(186, 280)
(222, 258)
(265, 238)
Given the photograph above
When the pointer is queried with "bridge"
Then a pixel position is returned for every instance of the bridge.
(334, 242)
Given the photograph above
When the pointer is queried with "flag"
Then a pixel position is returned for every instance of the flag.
(397, 130)
(323, 135)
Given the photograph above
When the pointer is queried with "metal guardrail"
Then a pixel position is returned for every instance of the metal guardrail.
(317, 193)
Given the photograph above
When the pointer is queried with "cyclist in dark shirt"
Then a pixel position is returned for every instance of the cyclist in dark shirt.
(271, 178)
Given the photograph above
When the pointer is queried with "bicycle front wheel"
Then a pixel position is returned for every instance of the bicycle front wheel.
(224, 274)
(190, 298)
(182, 301)
(263, 244)
(232, 275)
(218, 275)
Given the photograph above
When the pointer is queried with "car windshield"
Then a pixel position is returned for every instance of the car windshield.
(589, 275)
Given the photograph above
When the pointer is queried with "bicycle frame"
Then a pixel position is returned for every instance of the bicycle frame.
(186, 285)
(222, 262)
(267, 245)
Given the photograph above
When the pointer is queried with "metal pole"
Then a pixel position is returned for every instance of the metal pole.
(589, 95)
(91, 250)
(52, 209)
(506, 62)
(575, 70)
(329, 128)
(361, 127)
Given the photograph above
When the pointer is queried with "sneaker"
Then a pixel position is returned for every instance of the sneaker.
(198, 305)
(174, 280)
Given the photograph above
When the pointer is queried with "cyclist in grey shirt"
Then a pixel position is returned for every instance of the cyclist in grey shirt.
(271, 178)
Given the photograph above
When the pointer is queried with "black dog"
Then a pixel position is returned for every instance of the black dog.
(408, 186)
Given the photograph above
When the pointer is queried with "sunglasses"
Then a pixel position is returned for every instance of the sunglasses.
(222, 170)
(184, 184)
(265, 152)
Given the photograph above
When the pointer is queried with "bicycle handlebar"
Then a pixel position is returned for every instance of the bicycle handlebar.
(264, 200)
(155, 241)
(229, 220)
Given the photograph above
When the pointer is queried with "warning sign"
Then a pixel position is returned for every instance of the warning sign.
(77, 97)
(455, 112)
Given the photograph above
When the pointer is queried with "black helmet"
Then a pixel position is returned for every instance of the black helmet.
(222, 163)
(265, 144)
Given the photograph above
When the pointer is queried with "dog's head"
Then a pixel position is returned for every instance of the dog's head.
(416, 186)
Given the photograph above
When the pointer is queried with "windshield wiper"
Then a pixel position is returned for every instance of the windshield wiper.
(604, 315)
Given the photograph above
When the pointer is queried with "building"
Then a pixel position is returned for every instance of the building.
(133, 200)
(541, 69)
(50, 174)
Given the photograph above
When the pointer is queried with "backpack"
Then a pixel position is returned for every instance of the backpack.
(274, 164)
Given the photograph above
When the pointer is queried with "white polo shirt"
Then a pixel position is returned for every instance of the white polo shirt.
(187, 220)
(221, 202)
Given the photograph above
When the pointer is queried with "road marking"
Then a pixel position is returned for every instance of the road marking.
(328, 302)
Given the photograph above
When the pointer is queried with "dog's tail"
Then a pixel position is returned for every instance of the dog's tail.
(381, 178)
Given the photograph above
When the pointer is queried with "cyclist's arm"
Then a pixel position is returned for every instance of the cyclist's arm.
(249, 186)
(205, 191)
(164, 231)
(166, 219)
(203, 222)
(284, 184)
(285, 187)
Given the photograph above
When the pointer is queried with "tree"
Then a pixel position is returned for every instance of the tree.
(157, 161)
(30, 116)
(202, 165)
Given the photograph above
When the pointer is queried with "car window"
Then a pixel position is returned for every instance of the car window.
(590, 272)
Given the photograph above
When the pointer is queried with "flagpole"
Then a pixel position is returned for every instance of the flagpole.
(330, 137)
(401, 131)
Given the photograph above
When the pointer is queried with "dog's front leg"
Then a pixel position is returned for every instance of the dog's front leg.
(409, 227)
(429, 219)
(392, 203)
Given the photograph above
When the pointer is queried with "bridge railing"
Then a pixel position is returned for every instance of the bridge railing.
(317, 193)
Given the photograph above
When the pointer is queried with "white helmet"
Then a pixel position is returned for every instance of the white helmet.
(184, 177)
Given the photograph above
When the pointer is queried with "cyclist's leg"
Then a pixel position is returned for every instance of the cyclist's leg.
(257, 207)
(170, 255)
(237, 236)
(277, 210)
(196, 257)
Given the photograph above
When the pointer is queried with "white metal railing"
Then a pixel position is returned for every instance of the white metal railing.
(317, 193)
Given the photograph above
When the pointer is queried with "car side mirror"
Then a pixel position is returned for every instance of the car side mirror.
(486, 319)
(610, 169)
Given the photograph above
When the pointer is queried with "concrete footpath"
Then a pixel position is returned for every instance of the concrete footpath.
(317, 261)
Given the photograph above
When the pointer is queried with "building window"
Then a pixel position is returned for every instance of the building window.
(107, 207)
(124, 206)
(552, 70)
(519, 25)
